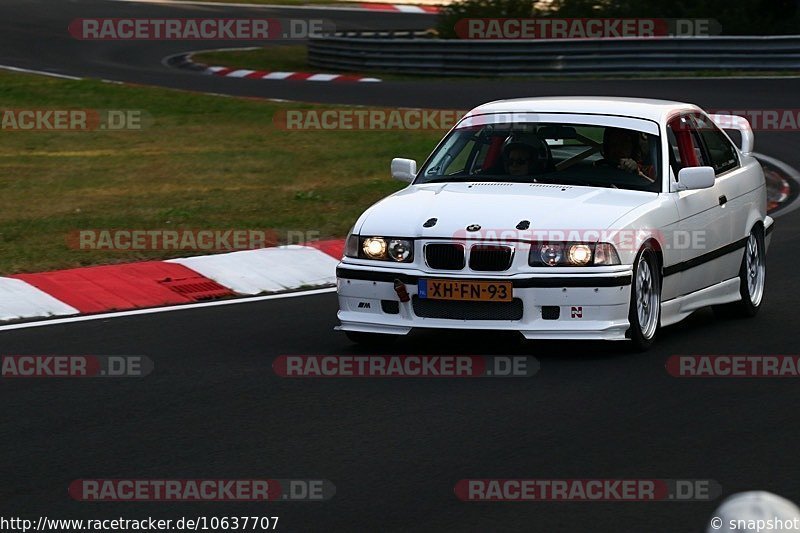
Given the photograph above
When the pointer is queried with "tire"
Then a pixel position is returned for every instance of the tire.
(370, 340)
(752, 275)
(644, 314)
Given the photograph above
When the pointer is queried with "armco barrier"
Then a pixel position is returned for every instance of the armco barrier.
(426, 56)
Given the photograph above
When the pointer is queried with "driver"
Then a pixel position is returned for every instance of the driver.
(519, 159)
(623, 150)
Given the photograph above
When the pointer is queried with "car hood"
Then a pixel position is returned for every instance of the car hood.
(497, 207)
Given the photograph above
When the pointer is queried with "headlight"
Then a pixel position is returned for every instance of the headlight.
(580, 254)
(374, 247)
(572, 254)
(400, 249)
(380, 248)
(552, 254)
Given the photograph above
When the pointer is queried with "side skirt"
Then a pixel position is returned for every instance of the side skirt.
(677, 309)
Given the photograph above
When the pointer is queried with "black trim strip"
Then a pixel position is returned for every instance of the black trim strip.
(705, 258)
(560, 282)
(603, 281)
(769, 229)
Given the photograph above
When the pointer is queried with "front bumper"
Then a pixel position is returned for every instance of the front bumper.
(590, 306)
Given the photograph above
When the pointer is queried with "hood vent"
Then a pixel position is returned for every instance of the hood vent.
(550, 186)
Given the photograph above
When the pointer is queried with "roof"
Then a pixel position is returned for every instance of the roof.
(605, 105)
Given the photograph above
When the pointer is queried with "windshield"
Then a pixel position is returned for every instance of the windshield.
(538, 152)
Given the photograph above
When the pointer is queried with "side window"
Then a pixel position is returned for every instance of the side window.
(721, 152)
(674, 153)
(489, 156)
(459, 162)
(453, 155)
(476, 154)
(684, 145)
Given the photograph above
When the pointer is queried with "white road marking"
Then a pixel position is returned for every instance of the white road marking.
(41, 72)
(122, 314)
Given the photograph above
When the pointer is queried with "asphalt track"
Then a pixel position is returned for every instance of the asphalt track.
(213, 408)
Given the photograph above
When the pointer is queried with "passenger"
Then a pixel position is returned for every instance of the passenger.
(622, 149)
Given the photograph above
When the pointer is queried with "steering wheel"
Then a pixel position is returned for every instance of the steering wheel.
(544, 157)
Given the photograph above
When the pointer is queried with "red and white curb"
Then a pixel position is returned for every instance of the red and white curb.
(22, 300)
(268, 270)
(401, 8)
(291, 76)
(108, 288)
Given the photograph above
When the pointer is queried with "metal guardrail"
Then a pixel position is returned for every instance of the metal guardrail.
(444, 57)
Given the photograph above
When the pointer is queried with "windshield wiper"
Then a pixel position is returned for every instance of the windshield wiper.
(450, 178)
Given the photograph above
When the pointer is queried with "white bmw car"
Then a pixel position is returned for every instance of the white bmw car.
(563, 218)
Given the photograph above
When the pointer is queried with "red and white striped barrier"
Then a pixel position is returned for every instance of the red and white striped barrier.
(292, 76)
(402, 8)
(107, 288)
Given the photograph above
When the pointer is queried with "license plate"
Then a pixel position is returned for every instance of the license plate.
(472, 291)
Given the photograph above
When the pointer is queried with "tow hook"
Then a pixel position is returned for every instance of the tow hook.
(400, 289)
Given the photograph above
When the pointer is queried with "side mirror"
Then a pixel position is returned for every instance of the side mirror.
(693, 178)
(404, 169)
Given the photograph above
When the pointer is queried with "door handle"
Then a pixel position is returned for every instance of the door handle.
(723, 200)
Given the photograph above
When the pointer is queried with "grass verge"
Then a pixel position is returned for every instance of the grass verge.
(205, 162)
(286, 58)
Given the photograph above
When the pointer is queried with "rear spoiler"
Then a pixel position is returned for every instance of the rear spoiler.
(735, 122)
